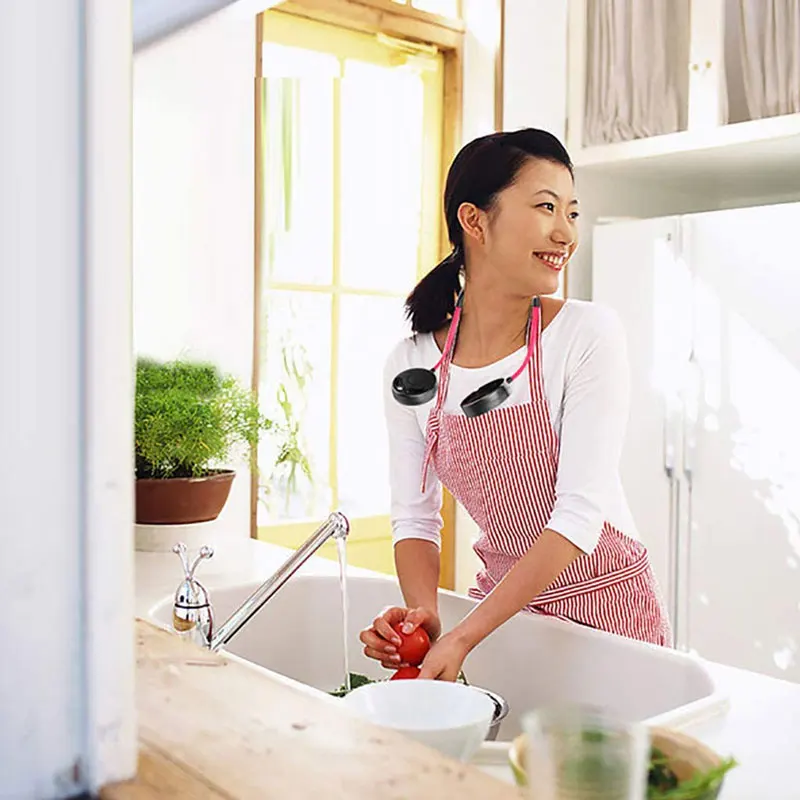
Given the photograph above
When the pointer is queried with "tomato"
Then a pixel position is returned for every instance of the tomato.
(414, 645)
(405, 673)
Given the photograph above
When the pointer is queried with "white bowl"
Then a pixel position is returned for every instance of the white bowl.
(450, 717)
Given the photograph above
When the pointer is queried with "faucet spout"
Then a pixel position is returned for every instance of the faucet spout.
(336, 527)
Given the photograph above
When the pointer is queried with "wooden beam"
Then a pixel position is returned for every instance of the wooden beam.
(409, 10)
(258, 267)
(378, 18)
(451, 144)
(499, 66)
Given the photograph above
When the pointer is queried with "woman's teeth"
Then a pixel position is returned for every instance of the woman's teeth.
(552, 259)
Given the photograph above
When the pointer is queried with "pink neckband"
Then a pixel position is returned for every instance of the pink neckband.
(451, 333)
(534, 320)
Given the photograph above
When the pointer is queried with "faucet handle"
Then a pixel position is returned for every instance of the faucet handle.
(179, 548)
(205, 552)
(188, 571)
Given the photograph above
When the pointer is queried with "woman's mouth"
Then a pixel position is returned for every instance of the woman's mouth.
(555, 261)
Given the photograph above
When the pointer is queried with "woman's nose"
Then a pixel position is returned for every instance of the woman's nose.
(563, 232)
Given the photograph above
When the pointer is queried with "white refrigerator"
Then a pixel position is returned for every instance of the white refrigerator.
(711, 464)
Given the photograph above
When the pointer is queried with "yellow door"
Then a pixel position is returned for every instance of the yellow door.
(351, 135)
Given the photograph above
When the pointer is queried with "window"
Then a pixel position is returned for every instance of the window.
(351, 153)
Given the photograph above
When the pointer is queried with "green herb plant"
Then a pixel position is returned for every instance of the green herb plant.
(291, 460)
(191, 420)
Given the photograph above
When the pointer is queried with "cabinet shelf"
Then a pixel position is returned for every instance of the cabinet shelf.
(745, 157)
(748, 159)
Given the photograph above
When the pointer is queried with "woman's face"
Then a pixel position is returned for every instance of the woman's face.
(531, 232)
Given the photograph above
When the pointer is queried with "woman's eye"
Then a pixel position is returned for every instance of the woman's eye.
(574, 215)
(548, 206)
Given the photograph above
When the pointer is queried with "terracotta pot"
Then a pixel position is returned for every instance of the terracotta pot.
(180, 501)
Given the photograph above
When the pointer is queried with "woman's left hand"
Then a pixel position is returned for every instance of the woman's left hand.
(445, 658)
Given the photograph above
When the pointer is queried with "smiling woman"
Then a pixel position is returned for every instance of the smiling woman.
(534, 461)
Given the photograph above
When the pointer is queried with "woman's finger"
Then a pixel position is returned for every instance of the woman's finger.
(393, 614)
(384, 628)
(425, 619)
(371, 639)
(414, 618)
(390, 662)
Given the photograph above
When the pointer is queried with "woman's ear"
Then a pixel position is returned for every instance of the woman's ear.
(473, 222)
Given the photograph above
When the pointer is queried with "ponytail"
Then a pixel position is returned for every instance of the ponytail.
(433, 301)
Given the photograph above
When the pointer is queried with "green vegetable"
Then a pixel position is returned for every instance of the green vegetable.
(663, 784)
(356, 680)
(660, 778)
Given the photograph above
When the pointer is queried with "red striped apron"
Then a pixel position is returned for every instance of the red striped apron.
(502, 467)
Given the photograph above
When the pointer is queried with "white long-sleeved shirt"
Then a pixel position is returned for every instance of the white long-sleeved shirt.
(586, 380)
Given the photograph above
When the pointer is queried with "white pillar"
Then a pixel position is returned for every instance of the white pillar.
(66, 554)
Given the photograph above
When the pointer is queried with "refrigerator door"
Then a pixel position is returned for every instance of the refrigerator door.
(742, 456)
(637, 270)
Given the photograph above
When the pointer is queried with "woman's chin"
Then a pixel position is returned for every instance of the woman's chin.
(544, 285)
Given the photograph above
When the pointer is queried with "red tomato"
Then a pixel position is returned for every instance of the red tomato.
(405, 673)
(414, 645)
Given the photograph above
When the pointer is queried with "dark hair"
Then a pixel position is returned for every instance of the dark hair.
(480, 171)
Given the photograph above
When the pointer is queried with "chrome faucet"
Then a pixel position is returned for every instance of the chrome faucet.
(192, 612)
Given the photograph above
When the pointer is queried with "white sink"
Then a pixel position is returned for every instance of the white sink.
(531, 660)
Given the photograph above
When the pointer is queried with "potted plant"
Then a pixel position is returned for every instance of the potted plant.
(191, 421)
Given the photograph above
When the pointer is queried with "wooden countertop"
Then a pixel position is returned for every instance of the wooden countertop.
(210, 728)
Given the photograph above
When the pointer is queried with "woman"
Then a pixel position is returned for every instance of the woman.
(535, 460)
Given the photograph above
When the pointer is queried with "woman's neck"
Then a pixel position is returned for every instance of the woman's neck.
(493, 325)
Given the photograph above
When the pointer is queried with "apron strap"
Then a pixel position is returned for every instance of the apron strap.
(431, 438)
(535, 375)
(432, 429)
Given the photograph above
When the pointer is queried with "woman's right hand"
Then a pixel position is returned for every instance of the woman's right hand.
(381, 642)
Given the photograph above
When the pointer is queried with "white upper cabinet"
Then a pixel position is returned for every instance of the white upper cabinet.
(662, 81)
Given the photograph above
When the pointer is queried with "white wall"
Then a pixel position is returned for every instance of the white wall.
(535, 66)
(193, 202)
(66, 568)
(481, 41)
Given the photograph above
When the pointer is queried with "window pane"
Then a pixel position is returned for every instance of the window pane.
(370, 328)
(298, 164)
(295, 392)
(445, 8)
(381, 212)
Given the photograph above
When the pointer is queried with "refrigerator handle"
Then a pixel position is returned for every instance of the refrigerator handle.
(691, 410)
(672, 438)
(669, 454)
(669, 448)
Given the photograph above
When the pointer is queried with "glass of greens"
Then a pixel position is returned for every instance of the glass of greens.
(580, 753)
